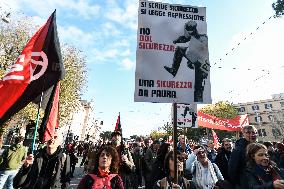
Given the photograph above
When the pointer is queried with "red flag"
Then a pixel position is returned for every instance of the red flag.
(36, 70)
(118, 125)
(215, 140)
(51, 115)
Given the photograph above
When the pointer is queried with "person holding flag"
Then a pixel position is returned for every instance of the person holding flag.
(126, 164)
(49, 168)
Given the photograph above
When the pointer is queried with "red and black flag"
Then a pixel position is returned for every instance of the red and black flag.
(36, 71)
(51, 116)
(118, 125)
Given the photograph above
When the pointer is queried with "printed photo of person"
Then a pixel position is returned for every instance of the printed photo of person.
(194, 47)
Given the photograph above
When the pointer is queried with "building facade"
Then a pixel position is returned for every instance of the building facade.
(267, 116)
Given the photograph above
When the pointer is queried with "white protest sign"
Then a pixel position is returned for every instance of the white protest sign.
(172, 63)
(187, 115)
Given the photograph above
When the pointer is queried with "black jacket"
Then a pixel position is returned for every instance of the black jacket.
(251, 179)
(237, 161)
(222, 160)
(46, 172)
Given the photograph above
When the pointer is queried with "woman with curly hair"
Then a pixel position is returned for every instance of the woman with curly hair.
(260, 172)
(105, 172)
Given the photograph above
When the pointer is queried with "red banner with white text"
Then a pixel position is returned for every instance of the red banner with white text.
(212, 122)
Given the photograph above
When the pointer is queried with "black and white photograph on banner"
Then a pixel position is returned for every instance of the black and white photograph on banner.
(172, 62)
(187, 115)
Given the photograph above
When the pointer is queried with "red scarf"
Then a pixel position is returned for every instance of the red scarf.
(103, 173)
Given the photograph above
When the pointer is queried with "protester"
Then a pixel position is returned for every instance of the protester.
(222, 158)
(137, 154)
(80, 149)
(167, 182)
(73, 158)
(11, 159)
(49, 168)
(126, 164)
(91, 159)
(211, 152)
(237, 161)
(158, 166)
(105, 173)
(260, 172)
(150, 158)
(280, 154)
(183, 147)
(85, 153)
(205, 173)
(271, 151)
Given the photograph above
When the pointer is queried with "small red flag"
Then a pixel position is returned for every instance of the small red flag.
(118, 125)
(215, 140)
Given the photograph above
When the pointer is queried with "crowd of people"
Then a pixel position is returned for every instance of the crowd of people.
(244, 164)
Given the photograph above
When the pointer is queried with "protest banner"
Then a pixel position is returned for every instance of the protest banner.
(172, 62)
(212, 122)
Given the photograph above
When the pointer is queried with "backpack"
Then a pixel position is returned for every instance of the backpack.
(163, 183)
(92, 181)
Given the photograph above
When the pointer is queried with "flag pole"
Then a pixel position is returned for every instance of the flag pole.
(175, 142)
(37, 121)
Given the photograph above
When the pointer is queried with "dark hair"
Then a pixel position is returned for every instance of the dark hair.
(251, 151)
(114, 159)
(19, 139)
(267, 144)
(280, 146)
(199, 146)
(162, 151)
(115, 133)
(169, 156)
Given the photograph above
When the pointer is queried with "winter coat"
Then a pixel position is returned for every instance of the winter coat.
(89, 181)
(187, 149)
(254, 179)
(47, 171)
(222, 160)
(159, 172)
(12, 157)
(127, 170)
(167, 182)
(237, 161)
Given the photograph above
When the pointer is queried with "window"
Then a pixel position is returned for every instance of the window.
(271, 118)
(258, 119)
(276, 132)
(268, 106)
(261, 132)
(282, 104)
(241, 109)
(255, 107)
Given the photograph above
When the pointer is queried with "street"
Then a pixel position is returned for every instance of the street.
(78, 175)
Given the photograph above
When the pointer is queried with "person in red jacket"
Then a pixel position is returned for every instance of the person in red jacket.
(105, 172)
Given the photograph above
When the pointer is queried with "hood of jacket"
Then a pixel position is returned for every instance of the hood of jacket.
(15, 147)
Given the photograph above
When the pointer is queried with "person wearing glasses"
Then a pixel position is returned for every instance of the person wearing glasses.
(260, 171)
(205, 174)
(48, 168)
(167, 182)
(237, 161)
(222, 158)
